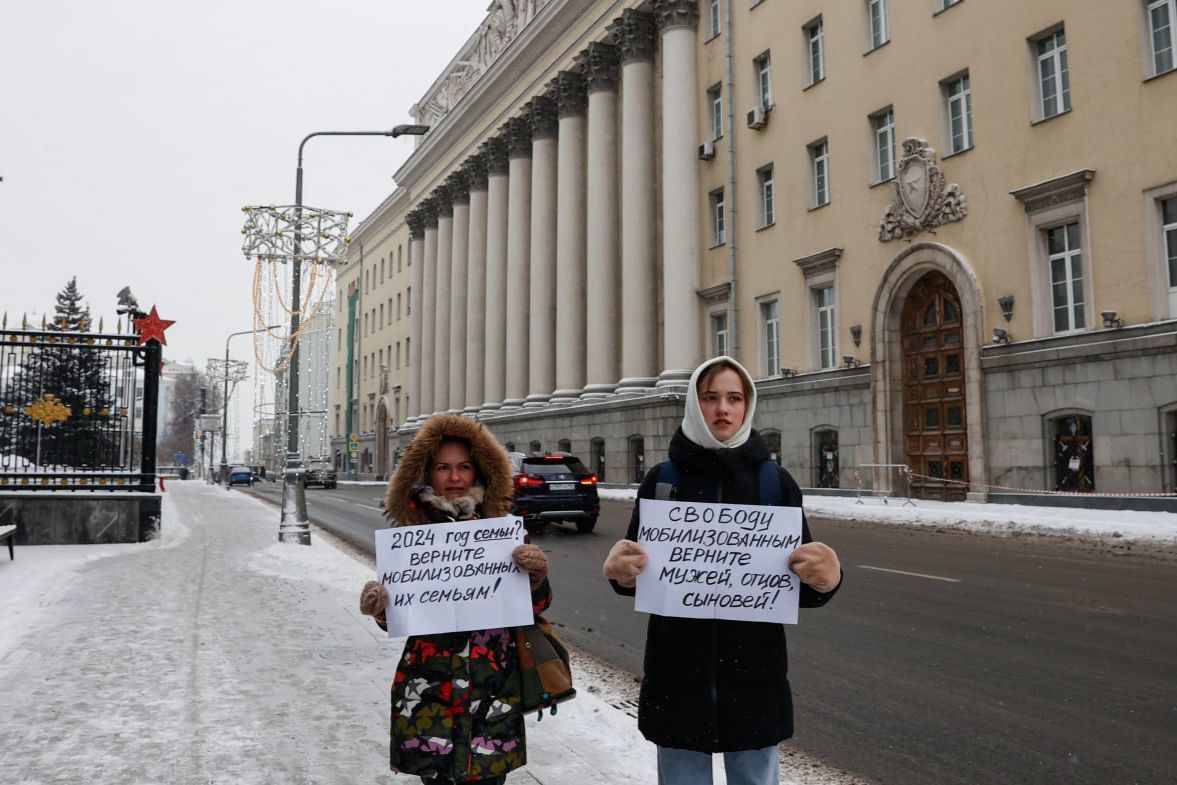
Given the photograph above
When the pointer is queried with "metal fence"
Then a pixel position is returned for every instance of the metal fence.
(77, 411)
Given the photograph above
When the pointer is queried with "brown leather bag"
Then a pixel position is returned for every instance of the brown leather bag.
(544, 671)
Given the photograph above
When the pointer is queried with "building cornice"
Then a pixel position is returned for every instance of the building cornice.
(389, 211)
(1063, 189)
(541, 34)
(819, 263)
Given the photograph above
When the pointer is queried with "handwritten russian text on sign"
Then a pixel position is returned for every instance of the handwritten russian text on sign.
(452, 577)
(719, 561)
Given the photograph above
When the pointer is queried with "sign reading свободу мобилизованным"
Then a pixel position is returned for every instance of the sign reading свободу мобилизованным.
(719, 561)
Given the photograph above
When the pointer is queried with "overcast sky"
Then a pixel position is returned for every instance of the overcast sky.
(133, 131)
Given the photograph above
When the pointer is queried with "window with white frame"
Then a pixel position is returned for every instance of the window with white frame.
(767, 196)
(1169, 247)
(883, 139)
(880, 29)
(1064, 256)
(718, 233)
(763, 65)
(718, 334)
(770, 319)
(827, 349)
(713, 22)
(815, 56)
(959, 105)
(1053, 83)
(1161, 16)
(715, 111)
(819, 162)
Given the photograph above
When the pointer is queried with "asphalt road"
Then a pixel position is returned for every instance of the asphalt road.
(945, 658)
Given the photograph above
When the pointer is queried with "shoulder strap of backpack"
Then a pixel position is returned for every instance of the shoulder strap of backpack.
(668, 478)
(770, 483)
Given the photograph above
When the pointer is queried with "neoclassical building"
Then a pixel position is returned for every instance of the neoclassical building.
(942, 235)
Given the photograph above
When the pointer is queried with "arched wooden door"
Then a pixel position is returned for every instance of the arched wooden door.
(934, 390)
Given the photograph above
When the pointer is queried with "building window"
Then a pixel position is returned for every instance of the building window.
(767, 196)
(959, 105)
(398, 355)
(1074, 453)
(815, 55)
(409, 301)
(717, 217)
(399, 258)
(381, 269)
(398, 306)
(715, 108)
(1161, 14)
(381, 315)
(1054, 86)
(819, 160)
(827, 349)
(771, 319)
(408, 356)
(713, 24)
(883, 133)
(763, 65)
(718, 334)
(1066, 277)
(880, 31)
(1169, 247)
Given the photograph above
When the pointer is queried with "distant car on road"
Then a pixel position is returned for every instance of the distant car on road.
(554, 487)
(240, 475)
(319, 473)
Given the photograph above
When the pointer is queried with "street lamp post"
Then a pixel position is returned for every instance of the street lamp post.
(225, 400)
(293, 492)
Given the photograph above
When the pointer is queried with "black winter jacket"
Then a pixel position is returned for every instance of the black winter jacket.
(714, 685)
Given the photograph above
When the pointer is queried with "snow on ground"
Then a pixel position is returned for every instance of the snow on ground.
(1134, 525)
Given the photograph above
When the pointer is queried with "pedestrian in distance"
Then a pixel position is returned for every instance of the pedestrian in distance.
(716, 685)
(455, 697)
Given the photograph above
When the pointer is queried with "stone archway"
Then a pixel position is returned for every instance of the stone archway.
(887, 356)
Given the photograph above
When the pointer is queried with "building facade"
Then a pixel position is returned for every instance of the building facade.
(942, 235)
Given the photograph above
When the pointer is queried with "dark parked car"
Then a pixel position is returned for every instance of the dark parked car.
(240, 475)
(554, 487)
(319, 473)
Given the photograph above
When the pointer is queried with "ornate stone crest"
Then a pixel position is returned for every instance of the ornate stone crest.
(922, 200)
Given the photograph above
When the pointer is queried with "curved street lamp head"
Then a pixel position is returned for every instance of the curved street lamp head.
(408, 130)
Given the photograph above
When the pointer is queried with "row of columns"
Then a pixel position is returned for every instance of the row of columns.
(535, 268)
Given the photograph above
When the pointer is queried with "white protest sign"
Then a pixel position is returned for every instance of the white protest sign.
(453, 577)
(719, 561)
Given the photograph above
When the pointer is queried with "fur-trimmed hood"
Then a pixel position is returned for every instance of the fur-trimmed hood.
(490, 459)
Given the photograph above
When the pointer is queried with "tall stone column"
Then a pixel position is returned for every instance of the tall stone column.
(497, 199)
(634, 33)
(602, 281)
(428, 307)
(459, 189)
(682, 333)
(416, 224)
(571, 101)
(518, 258)
(475, 170)
(441, 307)
(541, 343)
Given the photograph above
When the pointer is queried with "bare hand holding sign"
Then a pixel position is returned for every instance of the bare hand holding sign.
(719, 561)
(452, 577)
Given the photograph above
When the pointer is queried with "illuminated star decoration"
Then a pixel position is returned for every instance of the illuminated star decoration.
(152, 327)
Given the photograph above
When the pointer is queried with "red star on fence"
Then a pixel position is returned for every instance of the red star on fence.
(152, 327)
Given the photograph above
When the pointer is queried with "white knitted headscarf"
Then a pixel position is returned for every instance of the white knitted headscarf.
(694, 426)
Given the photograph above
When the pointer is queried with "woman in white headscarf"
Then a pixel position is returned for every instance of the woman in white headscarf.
(714, 685)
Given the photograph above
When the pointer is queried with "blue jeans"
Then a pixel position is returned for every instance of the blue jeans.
(747, 767)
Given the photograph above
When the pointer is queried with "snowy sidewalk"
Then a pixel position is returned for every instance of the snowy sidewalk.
(220, 656)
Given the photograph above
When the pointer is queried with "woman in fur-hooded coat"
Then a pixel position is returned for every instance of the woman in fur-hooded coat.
(455, 697)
